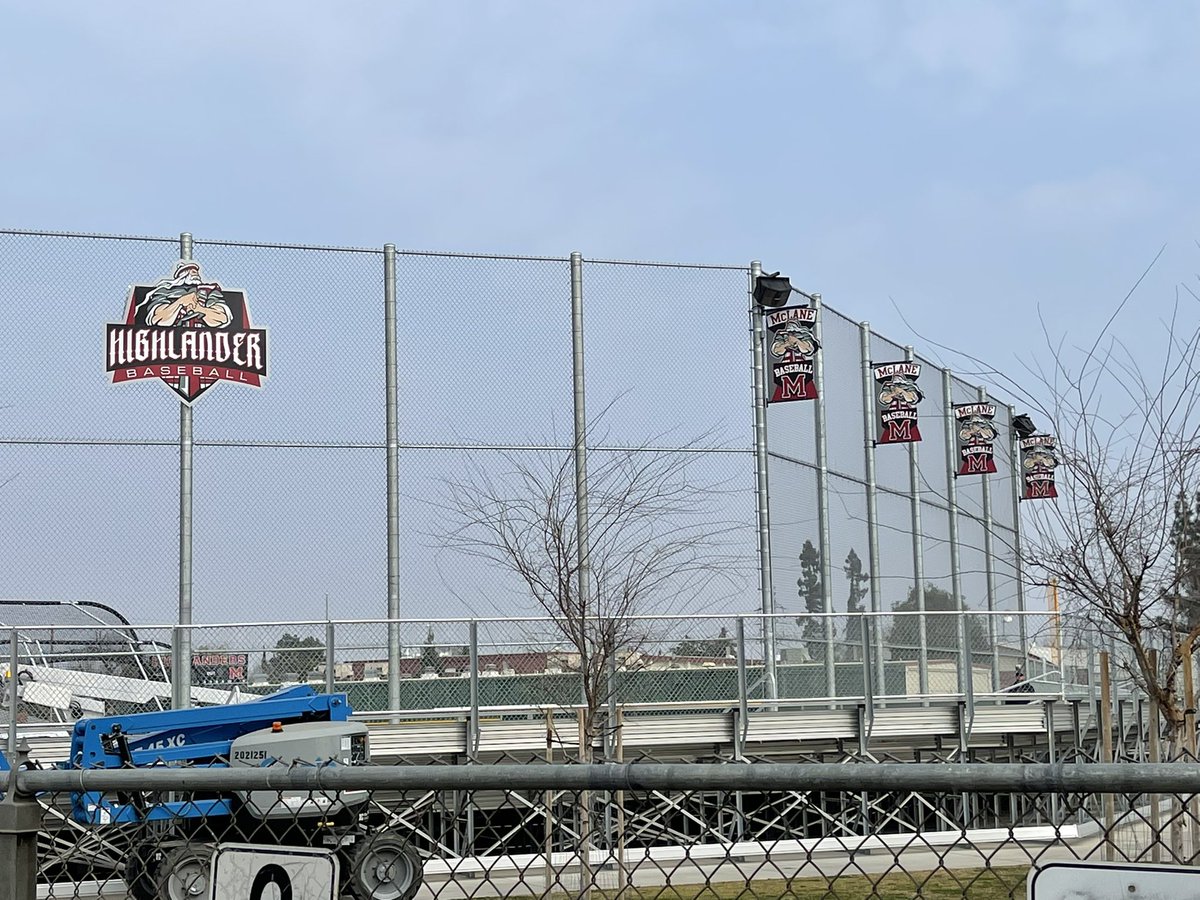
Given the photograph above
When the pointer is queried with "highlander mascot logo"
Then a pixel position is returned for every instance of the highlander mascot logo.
(188, 332)
(976, 434)
(1039, 459)
(898, 397)
(793, 345)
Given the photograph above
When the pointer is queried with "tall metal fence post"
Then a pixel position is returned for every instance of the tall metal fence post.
(826, 547)
(181, 652)
(1018, 550)
(965, 663)
(989, 569)
(761, 489)
(330, 659)
(579, 392)
(873, 557)
(392, 401)
(918, 549)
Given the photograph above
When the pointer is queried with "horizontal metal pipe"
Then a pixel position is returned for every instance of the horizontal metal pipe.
(1114, 778)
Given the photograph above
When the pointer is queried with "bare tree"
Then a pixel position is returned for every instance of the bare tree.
(1127, 450)
(657, 543)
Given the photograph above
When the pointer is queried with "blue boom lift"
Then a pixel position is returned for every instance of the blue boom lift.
(172, 839)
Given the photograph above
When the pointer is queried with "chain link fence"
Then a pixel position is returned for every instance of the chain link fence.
(646, 830)
(291, 511)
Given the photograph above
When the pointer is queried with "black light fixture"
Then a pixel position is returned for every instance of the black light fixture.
(1023, 426)
(772, 290)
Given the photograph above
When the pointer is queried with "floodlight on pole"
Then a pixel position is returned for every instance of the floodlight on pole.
(1023, 426)
(774, 290)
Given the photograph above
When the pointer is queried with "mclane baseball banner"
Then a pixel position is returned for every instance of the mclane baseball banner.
(976, 438)
(897, 396)
(189, 333)
(791, 343)
(1039, 459)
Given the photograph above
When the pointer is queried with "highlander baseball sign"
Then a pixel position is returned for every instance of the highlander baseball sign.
(897, 396)
(189, 333)
(1039, 459)
(976, 434)
(792, 346)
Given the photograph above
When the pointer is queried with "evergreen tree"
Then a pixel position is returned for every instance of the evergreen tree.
(431, 660)
(720, 647)
(858, 580)
(1185, 542)
(813, 595)
(941, 632)
(295, 656)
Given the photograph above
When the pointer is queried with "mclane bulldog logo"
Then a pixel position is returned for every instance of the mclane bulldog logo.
(898, 396)
(188, 332)
(1039, 459)
(793, 345)
(976, 436)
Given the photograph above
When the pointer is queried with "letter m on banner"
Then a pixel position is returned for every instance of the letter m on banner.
(977, 464)
(898, 432)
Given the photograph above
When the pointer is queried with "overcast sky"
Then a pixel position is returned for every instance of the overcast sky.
(974, 164)
(979, 158)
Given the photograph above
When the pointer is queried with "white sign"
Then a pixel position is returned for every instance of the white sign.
(1112, 881)
(250, 872)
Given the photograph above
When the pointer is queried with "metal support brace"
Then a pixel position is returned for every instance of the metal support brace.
(20, 819)
(330, 664)
(473, 725)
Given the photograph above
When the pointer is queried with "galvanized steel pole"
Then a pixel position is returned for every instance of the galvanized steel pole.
(181, 647)
(1018, 552)
(743, 689)
(1024, 778)
(826, 546)
(873, 559)
(918, 546)
(964, 651)
(391, 391)
(762, 494)
(989, 568)
(582, 538)
(473, 651)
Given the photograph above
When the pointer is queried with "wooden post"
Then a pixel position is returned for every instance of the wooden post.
(1189, 724)
(622, 874)
(585, 813)
(1155, 752)
(1106, 751)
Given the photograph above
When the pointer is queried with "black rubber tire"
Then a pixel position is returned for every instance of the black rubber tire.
(140, 866)
(384, 866)
(184, 873)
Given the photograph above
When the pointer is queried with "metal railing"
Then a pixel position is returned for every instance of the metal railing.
(759, 830)
(495, 663)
